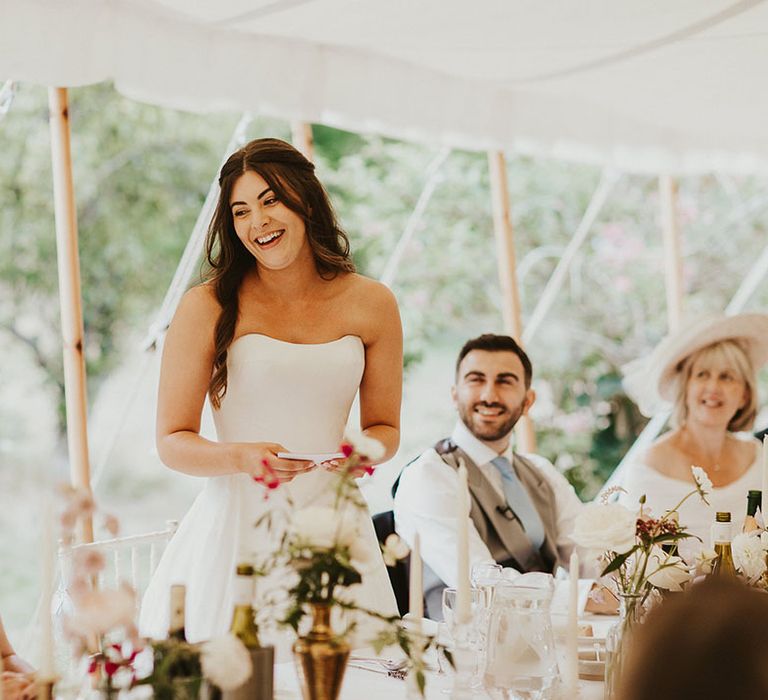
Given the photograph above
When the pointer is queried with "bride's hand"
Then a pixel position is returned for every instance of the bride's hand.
(365, 467)
(260, 461)
(17, 686)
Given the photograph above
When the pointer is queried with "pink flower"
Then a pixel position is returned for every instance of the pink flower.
(88, 562)
(111, 525)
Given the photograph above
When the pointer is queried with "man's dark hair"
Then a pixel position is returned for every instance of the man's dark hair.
(497, 343)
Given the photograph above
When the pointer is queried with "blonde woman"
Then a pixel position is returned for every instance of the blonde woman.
(706, 372)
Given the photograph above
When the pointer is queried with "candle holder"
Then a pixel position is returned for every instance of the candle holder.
(464, 659)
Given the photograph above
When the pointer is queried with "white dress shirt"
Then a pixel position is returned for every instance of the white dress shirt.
(425, 502)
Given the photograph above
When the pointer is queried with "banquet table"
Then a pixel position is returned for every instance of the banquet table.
(359, 683)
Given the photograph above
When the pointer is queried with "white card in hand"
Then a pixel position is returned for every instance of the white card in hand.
(316, 457)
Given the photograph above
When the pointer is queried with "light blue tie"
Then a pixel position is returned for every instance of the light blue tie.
(520, 502)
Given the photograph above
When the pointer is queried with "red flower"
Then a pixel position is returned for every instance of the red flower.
(369, 469)
(347, 449)
(110, 668)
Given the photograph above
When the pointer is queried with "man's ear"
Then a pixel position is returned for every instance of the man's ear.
(530, 399)
(454, 395)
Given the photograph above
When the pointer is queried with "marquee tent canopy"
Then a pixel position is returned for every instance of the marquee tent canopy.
(644, 85)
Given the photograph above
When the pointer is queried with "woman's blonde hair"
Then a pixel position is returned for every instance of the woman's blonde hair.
(728, 352)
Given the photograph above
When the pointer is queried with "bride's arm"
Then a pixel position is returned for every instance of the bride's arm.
(381, 387)
(184, 377)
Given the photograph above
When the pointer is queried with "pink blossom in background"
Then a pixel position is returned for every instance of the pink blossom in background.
(616, 246)
(623, 283)
(88, 562)
(111, 525)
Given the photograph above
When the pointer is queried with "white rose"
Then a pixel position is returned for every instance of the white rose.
(226, 662)
(394, 549)
(749, 555)
(365, 446)
(605, 527)
(667, 572)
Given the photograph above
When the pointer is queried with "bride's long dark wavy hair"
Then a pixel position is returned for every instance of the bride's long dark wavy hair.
(292, 178)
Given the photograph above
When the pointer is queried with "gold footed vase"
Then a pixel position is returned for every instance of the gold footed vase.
(321, 659)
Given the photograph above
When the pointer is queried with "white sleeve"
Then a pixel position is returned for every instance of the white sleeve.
(425, 502)
(567, 506)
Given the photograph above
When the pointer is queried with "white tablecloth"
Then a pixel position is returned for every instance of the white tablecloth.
(377, 686)
(359, 683)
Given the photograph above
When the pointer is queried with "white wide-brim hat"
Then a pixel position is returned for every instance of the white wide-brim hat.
(651, 381)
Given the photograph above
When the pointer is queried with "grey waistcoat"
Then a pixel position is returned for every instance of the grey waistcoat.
(497, 524)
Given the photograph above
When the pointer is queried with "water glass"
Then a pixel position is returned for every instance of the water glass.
(520, 660)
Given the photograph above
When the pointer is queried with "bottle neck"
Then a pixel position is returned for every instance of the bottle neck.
(753, 503)
(721, 533)
(177, 612)
(242, 592)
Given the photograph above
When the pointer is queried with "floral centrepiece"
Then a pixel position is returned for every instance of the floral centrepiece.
(100, 623)
(324, 547)
(639, 556)
(639, 551)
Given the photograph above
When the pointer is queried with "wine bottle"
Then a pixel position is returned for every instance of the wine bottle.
(260, 685)
(753, 503)
(244, 617)
(721, 537)
(176, 627)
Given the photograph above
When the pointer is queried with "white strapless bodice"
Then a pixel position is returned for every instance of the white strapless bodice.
(293, 394)
(296, 395)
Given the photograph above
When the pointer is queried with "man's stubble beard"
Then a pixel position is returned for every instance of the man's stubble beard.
(467, 416)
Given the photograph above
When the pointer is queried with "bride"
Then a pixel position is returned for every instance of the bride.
(280, 338)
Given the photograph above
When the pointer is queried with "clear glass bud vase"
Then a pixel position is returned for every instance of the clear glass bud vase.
(618, 639)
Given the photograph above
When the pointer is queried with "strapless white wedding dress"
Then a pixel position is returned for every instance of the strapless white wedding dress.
(293, 394)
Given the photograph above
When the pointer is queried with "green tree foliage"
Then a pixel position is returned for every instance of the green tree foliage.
(140, 174)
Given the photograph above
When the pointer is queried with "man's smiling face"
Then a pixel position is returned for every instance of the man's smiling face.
(490, 393)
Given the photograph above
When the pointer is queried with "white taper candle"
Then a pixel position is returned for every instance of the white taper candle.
(416, 586)
(463, 612)
(572, 631)
(764, 500)
(47, 575)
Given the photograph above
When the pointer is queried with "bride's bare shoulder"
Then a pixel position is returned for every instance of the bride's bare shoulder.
(198, 305)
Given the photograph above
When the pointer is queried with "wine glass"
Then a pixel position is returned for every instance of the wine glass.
(485, 576)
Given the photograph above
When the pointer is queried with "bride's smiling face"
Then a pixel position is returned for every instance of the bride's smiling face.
(274, 234)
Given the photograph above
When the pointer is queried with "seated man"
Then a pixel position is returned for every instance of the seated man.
(522, 509)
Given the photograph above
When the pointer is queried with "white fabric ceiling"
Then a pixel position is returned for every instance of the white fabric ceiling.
(645, 85)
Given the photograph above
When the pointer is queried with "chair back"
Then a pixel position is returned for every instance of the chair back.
(399, 574)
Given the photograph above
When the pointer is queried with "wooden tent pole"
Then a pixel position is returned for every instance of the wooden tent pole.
(507, 267)
(673, 257)
(301, 135)
(69, 297)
